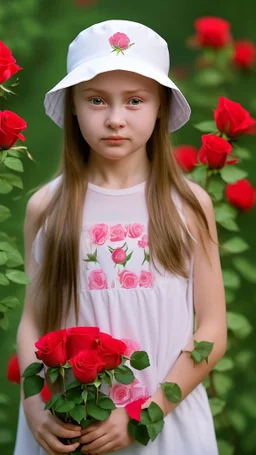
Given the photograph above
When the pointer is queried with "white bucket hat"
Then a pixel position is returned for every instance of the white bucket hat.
(117, 45)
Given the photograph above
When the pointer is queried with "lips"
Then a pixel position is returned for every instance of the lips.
(115, 138)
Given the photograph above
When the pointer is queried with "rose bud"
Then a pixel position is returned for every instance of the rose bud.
(8, 66)
(245, 54)
(118, 256)
(186, 157)
(232, 119)
(212, 32)
(11, 126)
(214, 151)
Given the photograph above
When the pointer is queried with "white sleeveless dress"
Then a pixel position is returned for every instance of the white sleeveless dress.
(134, 302)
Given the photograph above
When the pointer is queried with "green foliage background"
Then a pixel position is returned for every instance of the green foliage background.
(38, 33)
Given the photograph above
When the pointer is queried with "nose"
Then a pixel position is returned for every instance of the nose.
(115, 119)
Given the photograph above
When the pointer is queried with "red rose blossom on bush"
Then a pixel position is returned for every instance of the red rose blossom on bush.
(241, 194)
(86, 365)
(13, 369)
(110, 350)
(186, 157)
(52, 348)
(214, 151)
(245, 54)
(11, 126)
(212, 32)
(7, 63)
(232, 119)
(81, 338)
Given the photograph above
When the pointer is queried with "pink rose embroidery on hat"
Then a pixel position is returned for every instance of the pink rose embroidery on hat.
(120, 42)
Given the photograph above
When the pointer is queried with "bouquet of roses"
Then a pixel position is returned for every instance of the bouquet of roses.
(77, 362)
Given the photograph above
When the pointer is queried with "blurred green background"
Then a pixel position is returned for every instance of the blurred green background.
(38, 33)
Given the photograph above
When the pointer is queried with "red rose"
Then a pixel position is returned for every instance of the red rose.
(134, 408)
(186, 157)
(13, 369)
(86, 365)
(214, 151)
(232, 119)
(45, 393)
(81, 338)
(10, 127)
(52, 348)
(241, 194)
(212, 31)
(7, 63)
(110, 350)
(245, 54)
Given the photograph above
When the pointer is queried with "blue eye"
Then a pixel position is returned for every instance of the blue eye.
(99, 99)
(136, 99)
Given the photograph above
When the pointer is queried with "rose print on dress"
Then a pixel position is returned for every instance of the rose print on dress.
(128, 280)
(119, 254)
(146, 279)
(117, 233)
(120, 43)
(143, 243)
(131, 346)
(97, 280)
(134, 230)
(92, 257)
(99, 233)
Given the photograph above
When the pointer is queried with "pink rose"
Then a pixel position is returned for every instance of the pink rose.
(98, 279)
(119, 40)
(135, 230)
(132, 346)
(118, 255)
(138, 390)
(128, 279)
(117, 232)
(120, 394)
(146, 279)
(143, 242)
(99, 233)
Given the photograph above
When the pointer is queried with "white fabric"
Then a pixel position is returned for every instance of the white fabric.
(158, 318)
(91, 54)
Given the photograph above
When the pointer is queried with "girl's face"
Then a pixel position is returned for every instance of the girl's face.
(117, 103)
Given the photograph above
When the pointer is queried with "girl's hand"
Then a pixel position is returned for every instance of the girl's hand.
(108, 436)
(46, 428)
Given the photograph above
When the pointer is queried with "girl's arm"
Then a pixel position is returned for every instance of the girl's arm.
(209, 306)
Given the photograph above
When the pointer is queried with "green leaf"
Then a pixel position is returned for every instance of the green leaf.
(54, 374)
(6, 436)
(223, 384)
(4, 399)
(13, 180)
(123, 375)
(224, 212)
(96, 412)
(172, 391)
(84, 395)
(33, 369)
(204, 348)
(244, 358)
(6, 246)
(217, 405)
(231, 279)
(63, 405)
(3, 280)
(154, 429)
(17, 276)
(196, 356)
(5, 187)
(239, 325)
(225, 364)
(230, 225)
(32, 385)
(75, 395)
(236, 245)
(5, 213)
(242, 153)
(106, 403)
(208, 126)
(199, 174)
(73, 384)
(245, 268)
(216, 188)
(4, 323)
(155, 412)
(209, 77)
(232, 173)
(3, 258)
(14, 259)
(78, 413)
(14, 163)
(138, 432)
(225, 447)
(139, 360)
(144, 417)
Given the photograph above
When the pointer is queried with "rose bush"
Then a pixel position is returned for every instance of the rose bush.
(11, 126)
(245, 54)
(8, 66)
(232, 119)
(212, 32)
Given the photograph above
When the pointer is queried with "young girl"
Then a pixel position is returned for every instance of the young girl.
(120, 239)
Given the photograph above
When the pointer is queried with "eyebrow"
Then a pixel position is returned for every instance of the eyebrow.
(92, 89)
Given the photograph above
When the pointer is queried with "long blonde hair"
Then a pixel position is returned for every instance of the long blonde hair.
(169, 240)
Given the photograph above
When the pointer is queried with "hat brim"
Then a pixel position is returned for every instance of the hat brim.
(54, 100)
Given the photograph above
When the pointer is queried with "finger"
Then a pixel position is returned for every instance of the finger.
(88, 438)
(68, 426)
(62, 431)
(96, 445)
(57, 446)
(106, 449)
(91, 428)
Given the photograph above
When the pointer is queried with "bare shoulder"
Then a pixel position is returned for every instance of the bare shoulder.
(202, 196)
